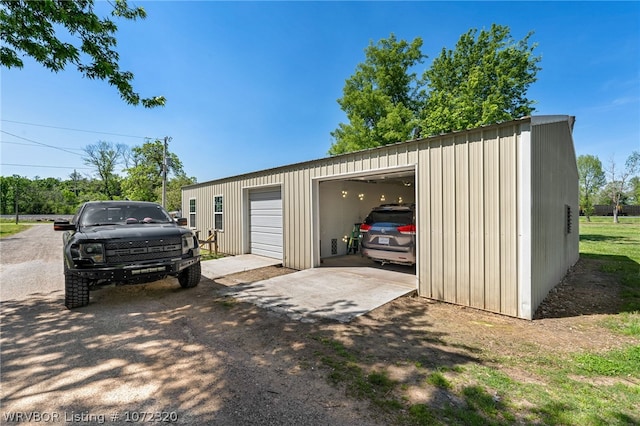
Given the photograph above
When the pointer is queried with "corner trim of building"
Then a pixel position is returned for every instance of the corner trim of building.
(525, 309)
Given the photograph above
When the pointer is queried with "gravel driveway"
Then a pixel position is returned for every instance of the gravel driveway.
(152, 353)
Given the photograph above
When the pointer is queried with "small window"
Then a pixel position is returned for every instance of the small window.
(192, 212)
(217, 212)
(568, 218)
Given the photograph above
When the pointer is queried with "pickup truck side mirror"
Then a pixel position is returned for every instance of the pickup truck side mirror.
(182, 221)
(63, 225)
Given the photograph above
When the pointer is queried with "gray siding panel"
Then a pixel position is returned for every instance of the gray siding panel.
(476, 224)
(462, 221)
(508, 223)
(554, 185)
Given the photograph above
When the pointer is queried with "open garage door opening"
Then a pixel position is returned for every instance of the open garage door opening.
(344, 205)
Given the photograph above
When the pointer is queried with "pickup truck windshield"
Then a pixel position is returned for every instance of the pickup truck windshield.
(123, 215)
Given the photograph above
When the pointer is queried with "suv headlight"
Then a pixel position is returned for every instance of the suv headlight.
(93, 251)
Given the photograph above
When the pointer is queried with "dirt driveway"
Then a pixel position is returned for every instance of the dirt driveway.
(158, 352)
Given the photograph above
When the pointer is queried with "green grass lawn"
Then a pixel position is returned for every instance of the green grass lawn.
(617, 246)
(9, 227)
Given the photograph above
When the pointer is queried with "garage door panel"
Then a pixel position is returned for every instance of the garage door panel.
(265, 195)
(266, 229)
(267, 212)
(266, 238)
(266, 205)
(266, 223)
(267, 250)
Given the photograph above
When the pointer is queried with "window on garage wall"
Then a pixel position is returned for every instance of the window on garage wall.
(192, 212)
(217, 212)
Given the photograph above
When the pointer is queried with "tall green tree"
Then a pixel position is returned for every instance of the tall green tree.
(591, 178)
(619, 178)
(381, 98)
(634, 183)
(174, 191)
(144, 174)
(483, 80)
(104, 157)
(16, 195)
(41, 30)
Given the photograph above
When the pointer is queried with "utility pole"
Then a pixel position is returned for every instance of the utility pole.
(16, 199)
(164, 172)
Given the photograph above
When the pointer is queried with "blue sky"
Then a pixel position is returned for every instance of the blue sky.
(254, 85)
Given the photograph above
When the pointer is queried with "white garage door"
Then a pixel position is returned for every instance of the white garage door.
(265, 215)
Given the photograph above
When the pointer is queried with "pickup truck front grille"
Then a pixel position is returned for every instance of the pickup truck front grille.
(138, 250)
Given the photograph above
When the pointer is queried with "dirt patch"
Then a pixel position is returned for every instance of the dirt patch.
(411, 335)
(570, 319)
(416, 329)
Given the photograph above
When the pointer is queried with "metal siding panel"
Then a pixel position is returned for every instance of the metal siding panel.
(436, 206)
(492, 221)
(554, 185)
(424, 222)
(508, 223)
(462, 222)
(449, 220)
(290, 219)
(476, 222)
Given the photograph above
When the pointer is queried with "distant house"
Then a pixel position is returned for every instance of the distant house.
(496, 210)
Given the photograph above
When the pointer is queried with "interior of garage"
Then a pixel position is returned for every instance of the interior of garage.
(345, 203)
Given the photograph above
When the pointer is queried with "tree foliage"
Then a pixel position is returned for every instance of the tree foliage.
(144, 176)
(104, 157)
(483, 80)
(381, 98)
(591, 178)
(619, 179)
(33, 28)
(141, 181)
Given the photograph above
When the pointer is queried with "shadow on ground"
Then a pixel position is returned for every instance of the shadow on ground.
(206, 358)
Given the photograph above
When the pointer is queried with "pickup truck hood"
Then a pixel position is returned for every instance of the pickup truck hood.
(133, 232)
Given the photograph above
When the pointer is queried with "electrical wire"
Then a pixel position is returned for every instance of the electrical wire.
(49, 167)
(76, 130)
(32, 144)
(40, 143)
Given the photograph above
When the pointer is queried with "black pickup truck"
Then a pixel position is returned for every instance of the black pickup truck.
(125, 242)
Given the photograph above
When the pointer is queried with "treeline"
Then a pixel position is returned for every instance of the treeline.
(612, 185)
(57, 196)
(141, 180)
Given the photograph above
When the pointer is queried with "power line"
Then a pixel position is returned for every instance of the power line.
(76, 130)
(32, 144)
(48, 167)
(40, 143)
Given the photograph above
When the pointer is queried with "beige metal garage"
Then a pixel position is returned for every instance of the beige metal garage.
(496, 209)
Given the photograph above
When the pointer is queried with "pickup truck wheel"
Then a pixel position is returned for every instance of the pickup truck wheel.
(190, 277)
(76, 291)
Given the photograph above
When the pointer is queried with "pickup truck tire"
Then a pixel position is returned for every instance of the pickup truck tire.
(190, 277)
(76, 291)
